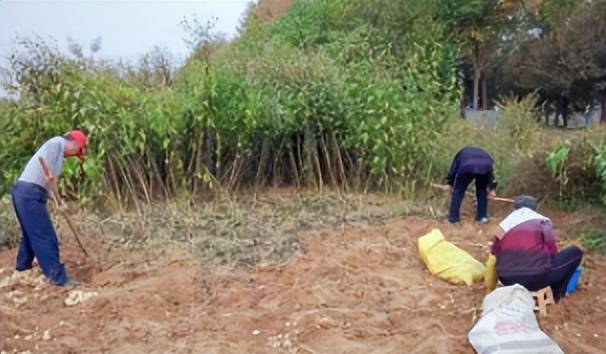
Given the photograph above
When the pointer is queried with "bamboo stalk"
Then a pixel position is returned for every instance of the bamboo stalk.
(341, 166)
(262, 166)
(329, 165)
(293, 165)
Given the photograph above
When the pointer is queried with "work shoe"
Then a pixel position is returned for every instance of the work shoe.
(484, 220)
(446, 221)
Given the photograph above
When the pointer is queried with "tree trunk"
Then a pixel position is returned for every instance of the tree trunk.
(565, 111)
(462, 107)
(603, 113)
(477, 73)
(484, 92)
(262, 164)
(293, 166)
(476, 87)
(330, 167)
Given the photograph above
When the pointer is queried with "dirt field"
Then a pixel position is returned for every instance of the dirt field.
(358, 287)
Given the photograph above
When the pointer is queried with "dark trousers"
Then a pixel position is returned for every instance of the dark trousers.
(563, 266)
(38, 235)
(462, 181)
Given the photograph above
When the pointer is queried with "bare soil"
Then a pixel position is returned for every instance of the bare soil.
(350, 287)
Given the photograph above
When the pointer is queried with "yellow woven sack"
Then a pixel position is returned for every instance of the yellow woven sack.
(447, 261)
(490, 274)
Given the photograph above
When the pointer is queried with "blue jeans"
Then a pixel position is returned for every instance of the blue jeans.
(462, 181)
(38, 234)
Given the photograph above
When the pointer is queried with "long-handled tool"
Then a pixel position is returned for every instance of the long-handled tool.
(447, 187)
(59, 203)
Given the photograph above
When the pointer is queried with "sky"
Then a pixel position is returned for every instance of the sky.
(129, 28)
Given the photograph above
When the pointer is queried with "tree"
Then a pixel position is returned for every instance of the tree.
(154, 70)
(568, 63)
(202, 38)
(485, 30)
(33, 69)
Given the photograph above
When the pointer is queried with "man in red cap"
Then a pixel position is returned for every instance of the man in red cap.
(30, 194)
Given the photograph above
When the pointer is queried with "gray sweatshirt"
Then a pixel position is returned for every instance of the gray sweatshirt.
(52, 153)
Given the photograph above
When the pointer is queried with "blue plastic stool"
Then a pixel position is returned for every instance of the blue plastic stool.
(574, 281)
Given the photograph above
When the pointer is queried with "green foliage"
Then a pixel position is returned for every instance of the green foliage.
(556, 162)
(346, 93)
(552, 11)
(594, 240)
(354, 94)
(9, 228)
(311, 23)
(518, 119)
(577, 166)
(599, 161)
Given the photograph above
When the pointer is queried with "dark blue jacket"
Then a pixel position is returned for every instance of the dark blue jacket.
(471, 160)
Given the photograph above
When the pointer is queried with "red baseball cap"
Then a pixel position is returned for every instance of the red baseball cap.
(81, 138)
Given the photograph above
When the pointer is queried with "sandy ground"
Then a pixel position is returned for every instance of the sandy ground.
(359, 288)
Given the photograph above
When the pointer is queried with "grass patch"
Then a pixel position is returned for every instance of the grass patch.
(9, 227)
(594, 240)
(247, 229)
